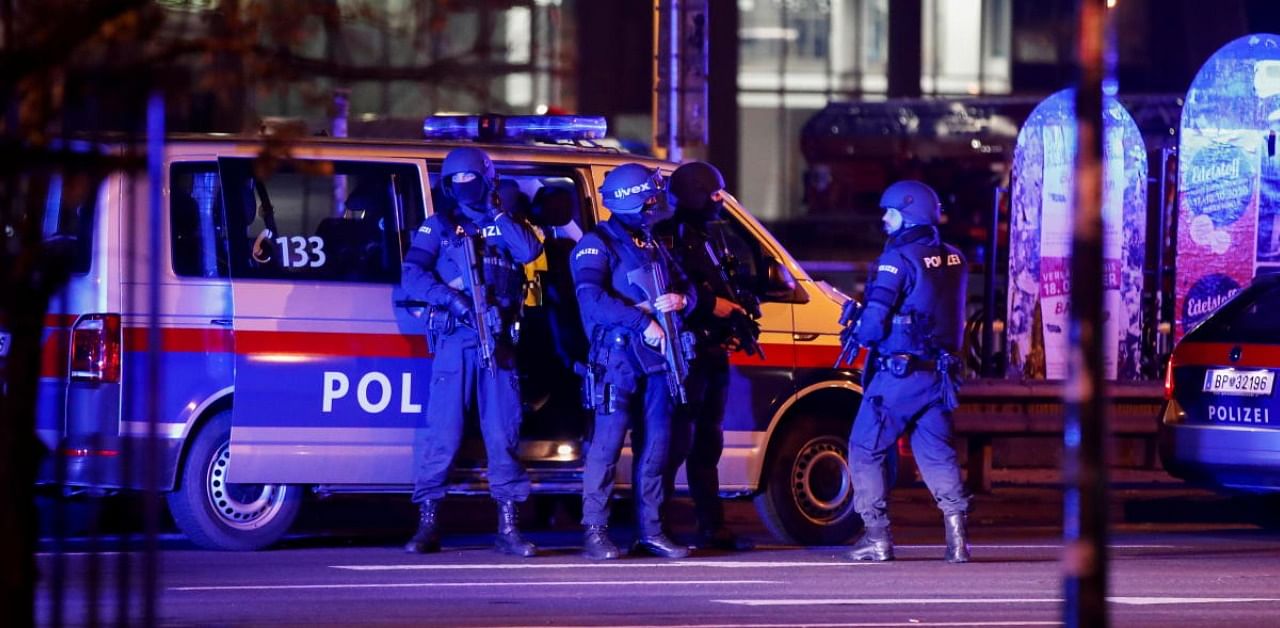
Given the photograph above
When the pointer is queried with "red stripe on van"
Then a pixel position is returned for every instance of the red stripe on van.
(1219, 354)
(60, 320)
(181, 340)
(53, 353)
(800, 355)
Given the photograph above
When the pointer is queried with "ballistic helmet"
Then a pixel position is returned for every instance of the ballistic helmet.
(467, 159)
(916, 201)
(692, 184)
(628, 187)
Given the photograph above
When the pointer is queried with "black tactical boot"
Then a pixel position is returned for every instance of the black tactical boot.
(957, 538)
(509, 540)
(875, 545)
(659, 545)
(723, 538)
(426, 540)
(596, 544)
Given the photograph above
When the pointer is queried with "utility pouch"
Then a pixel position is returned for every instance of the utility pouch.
(439, 323)
(591, 397)
(949, 380)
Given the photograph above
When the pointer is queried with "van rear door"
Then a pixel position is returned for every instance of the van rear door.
(330, 376)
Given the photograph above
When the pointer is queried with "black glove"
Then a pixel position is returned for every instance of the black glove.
(460, 306)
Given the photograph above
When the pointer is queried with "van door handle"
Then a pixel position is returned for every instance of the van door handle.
(222, 322)
(804, 337)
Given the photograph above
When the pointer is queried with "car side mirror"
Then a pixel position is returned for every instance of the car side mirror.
(780, 285)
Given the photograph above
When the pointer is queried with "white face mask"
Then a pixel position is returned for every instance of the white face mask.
(892, 220)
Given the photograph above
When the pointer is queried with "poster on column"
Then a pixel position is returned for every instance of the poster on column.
(1043, 209)
(1229, 179)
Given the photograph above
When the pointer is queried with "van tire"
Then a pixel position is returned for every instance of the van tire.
(217, 515)
(808, 492)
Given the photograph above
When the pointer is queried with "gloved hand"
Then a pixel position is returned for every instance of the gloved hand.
(653, 336)
(460, 306)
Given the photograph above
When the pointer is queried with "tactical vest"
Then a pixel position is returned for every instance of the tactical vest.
(930, 314)
(630, 255)
(503, 275)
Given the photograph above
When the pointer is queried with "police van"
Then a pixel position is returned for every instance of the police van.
(287, 360)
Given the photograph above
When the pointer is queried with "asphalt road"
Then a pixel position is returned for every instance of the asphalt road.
(1178, 557)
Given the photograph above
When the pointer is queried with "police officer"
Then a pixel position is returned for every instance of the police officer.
(913, 321)
(696, 189)
(627, 371)
(436, 271)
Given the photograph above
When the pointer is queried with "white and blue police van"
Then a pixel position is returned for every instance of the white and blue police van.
(288, 361)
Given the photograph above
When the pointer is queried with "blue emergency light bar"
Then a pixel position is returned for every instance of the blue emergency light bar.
(495, 128)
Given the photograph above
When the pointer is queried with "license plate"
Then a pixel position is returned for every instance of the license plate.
(4, 343)
(1237, 382)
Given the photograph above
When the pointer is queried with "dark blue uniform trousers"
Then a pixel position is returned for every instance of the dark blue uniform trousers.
(892, 405)
(651, 405)
(457, 382)
(697, 438)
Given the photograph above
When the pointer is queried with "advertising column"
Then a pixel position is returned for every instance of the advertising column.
(1229, 178)
(1040, 241)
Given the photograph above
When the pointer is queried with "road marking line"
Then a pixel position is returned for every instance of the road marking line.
(1129, 601)
(877, 624)
(719, 564)
(428, 585)
(1149, 601)
(78, 554)
(879, 601)
(1051, 546)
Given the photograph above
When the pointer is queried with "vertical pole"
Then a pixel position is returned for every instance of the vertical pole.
(655, 107)
(694, 20)
(1162, 336)
(151, 457)
(989, 285)
(723, 139)
(906, 45)
(673, 80)
(1084, 561)
(983, 41)
(666, 73)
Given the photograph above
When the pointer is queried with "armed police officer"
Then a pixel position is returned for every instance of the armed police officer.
(466, 264)
(913, 321)
(631, 376)
(718, 322)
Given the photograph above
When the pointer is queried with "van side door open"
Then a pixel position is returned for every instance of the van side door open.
(328, 384)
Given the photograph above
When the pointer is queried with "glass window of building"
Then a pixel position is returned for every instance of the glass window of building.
(797, 55)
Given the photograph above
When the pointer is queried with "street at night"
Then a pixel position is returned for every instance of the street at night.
(1179, 556)
(690, 313)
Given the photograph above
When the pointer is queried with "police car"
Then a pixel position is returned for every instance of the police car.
(1221, 422)
(288, 361)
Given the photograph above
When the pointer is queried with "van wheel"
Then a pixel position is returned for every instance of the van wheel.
(808, 490)
(216, 514)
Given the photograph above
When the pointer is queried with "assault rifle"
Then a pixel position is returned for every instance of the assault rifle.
(743, 327)
(678, 346)
(848, 344)
(486, 318)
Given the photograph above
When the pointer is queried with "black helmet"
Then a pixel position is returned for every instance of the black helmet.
(693, 184)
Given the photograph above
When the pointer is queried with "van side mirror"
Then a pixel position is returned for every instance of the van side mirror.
(780, 285)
